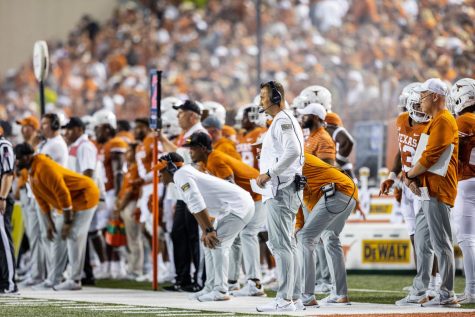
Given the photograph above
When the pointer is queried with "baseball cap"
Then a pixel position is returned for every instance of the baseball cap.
(315, 109)
(199, 139)
(434, 85)
(334, 119)
(23, 149)
(189, 105)
(74, 122)
(212, 122)
(31, 121)
(162, 163)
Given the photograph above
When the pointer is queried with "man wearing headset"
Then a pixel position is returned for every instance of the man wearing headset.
(54, 146)
(222, 210)
(281, 161)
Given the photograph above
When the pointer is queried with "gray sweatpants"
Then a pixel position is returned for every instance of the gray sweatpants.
(33, 229)
(322, 273)
(217, 259)
(281, 213)
(424, 254)
(133, 231)
(326, 221)
(438, 220)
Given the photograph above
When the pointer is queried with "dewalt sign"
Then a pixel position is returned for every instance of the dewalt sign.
(386, 251)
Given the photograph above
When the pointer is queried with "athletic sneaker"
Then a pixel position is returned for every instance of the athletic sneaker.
(299, 305)
(412, 300)
(6, 292)
(45, 285)
(213, 296)
(250, 289)
(194, 296)
(68, 285)
(233, 286)
(335, 300)
(466, 298)
(278, 304)
(309, 300)
(29, 282)
(407, 288)
(323, 288)
(269, 278)
(437, 301)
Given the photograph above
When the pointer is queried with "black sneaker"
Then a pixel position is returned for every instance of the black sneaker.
(8, 292)
(173, 288)
(191, 288)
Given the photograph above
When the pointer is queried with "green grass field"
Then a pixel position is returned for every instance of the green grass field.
(366, 288)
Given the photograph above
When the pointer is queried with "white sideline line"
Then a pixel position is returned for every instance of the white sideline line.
(131, 308)
(97, 307)
(375, 291)
(201, 314)
(161, 313)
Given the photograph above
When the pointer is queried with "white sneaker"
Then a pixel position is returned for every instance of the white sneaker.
(437, 301)
(299, 305)
(466, 298)
(323, 288)
(194, 296)
(309, 300)
(269, 277)
(101, 272)
(335, 300)
(29, 282)
(407, 288)
(68, 285)
(233, 286)
(250, 289)
(431, 293)
(278, 304)
(45, 285)
(144, 278)
(213, 296)
(412, 300)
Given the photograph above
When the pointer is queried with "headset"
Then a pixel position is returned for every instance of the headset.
(275, 96)
(171, 167)
(55, 124)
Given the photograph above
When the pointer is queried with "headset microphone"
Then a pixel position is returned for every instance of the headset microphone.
(263, 110)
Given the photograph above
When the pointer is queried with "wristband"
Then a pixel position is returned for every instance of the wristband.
(392, 176)
(209, 230)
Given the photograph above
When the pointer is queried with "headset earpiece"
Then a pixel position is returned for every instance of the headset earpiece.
(275, 96)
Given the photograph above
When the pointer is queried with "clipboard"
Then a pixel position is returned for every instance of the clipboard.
(441, 166)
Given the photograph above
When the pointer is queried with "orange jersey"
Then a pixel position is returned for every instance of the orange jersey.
(22, 178)
(318, 174)
(466, 126)
(408, 137)
(227, 146)
(144, 156)
(56, 186)
(127, 185)
(127, 136)
(224, 166)
(245, 148)
(114, 145)
(320, 144)
(442, 131)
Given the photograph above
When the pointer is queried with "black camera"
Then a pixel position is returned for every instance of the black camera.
(300, 182)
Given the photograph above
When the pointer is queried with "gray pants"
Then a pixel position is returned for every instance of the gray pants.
(322, 274)
(33, 229)
(55, 250)
(248, 242)
(133, 232)
(327, 225)
(217, 259)
(76, 241)
(281, 212)
(438, 221)
(424, 254)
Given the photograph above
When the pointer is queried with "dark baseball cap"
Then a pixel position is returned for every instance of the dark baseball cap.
(199, 139)
(74, 122)
(189, 105)
(23, 149)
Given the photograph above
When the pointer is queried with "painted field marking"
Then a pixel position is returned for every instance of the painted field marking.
(375, 291)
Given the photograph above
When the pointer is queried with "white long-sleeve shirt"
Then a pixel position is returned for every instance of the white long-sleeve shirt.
(282, 152)
(56, 148)
(199, 191)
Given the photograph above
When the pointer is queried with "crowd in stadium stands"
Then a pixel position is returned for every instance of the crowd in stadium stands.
(364, 51)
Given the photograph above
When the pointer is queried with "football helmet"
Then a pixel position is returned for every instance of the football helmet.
(259, 118)
(462, 95)
(406, 91)
(299, 102)
(216, 109)
(170, 126)
(90, 124)
(413, 106)
(318, 94)
(105, 116)
(167, 103)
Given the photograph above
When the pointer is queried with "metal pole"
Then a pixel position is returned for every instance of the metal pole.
(259, 42)
(42, 98)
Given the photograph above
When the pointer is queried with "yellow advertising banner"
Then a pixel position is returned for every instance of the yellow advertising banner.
(386, 251)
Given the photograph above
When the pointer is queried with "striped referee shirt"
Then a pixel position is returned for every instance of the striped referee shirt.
(7, 157)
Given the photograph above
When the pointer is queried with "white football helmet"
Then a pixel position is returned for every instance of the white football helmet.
(105, 116)
(299, 102)
(90, 124)
(413, 106)
(462, 95)
(406, 91)
(257, 100)
(215, 109)
(239, 116)
(170, 126)
(255, 116)
(168, 103)
(318, 94)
